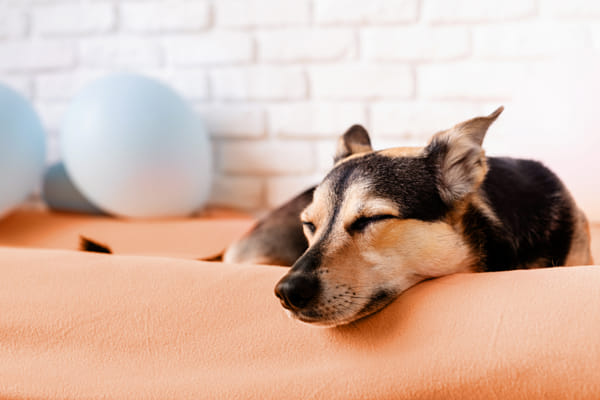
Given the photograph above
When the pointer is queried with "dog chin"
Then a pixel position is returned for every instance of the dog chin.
(378, 301)
(328, 322)
(313, 320)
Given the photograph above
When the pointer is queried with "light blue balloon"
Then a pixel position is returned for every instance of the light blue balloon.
(135, 148)
(22, 149)
(60, 194)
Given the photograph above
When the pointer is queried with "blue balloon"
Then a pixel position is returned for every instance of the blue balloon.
(60, 194)
(135, 148)
(22, 149)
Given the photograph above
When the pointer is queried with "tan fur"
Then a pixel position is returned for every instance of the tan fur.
(317, 211)
(580, 251)
(402, 152)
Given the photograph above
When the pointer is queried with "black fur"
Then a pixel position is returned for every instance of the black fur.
(408, 181)
(535, 213)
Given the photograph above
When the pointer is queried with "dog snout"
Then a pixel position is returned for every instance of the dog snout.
(297, 290)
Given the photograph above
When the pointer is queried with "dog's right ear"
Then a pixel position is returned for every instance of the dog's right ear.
(459, 158)
(355, 140)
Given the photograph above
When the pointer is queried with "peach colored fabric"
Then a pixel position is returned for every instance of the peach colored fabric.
(185, 237)
(76, 325)
(80, 325)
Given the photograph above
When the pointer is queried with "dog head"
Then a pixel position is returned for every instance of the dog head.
(382, 221)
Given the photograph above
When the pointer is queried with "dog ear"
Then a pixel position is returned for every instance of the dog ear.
(459, 157)
(355, 140)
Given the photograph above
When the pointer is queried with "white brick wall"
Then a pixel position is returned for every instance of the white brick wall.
(469, 11)
(372, 11)
(361, 81)
(259, 83)
(165, 16)
(76, 18)
(306, 44)
(415, 43)
(13, 21)
(315, 119)
(276, 81)
(275, 158)
(208, 48)
(259, 13)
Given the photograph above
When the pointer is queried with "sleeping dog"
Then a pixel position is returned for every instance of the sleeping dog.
(382, 221)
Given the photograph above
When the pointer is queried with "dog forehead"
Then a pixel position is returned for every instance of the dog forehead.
(402, 176)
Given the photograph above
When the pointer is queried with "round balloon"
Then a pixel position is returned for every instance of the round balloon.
(135, 148)
(22, 149)
(60, 194)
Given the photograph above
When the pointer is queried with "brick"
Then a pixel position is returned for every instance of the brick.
(36, 55)
(210, 48)
(238, 192)
(372, 11)
(325, 151)
(420, 119)
(415, 43)
(76, 18)
(258, 83)
(306, 44)
(20, 84)
(470, 80)
(571, 8)
(63, 86)
(314, 119)
(164, 16)
(191, 84)
(282, 189)
(233, 120)
(458, 11)
(361, 81)
(251, 157)
(260, 13)
(13, 22)
(119, 52)
(528, 40)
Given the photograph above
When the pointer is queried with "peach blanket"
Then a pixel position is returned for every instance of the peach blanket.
(77, 325)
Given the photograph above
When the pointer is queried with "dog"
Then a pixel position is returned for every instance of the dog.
(382, 221)
(276, 239)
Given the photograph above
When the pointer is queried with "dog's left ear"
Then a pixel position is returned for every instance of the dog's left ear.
(459, 157)
(355, 140)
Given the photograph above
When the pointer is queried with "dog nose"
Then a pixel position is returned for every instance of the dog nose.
(295, 291)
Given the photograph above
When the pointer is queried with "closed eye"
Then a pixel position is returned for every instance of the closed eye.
(310, 226)
(362, 222)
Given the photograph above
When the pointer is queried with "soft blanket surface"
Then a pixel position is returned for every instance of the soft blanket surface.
(183, 237)
(76, 325)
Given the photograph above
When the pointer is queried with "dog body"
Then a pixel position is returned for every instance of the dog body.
(276, 239)
(382, 221)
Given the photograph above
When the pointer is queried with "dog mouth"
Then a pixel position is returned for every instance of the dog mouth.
(341, 310)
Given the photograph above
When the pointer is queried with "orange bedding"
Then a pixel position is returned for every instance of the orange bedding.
(78, 325)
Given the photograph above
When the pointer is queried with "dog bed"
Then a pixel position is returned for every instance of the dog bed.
(153, 324)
